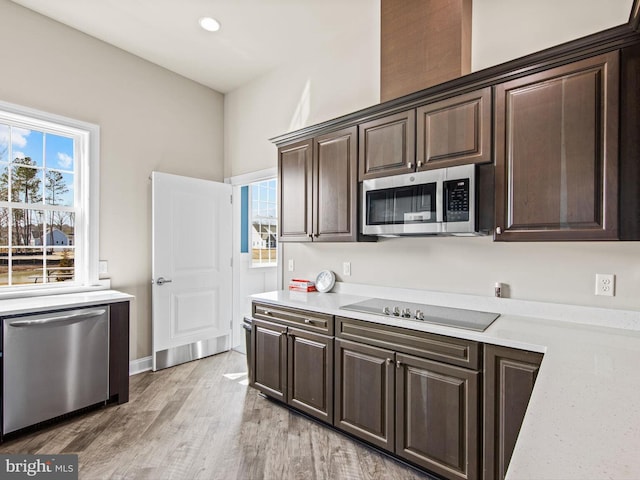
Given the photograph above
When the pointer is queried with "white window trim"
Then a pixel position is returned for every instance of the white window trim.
(89, 172)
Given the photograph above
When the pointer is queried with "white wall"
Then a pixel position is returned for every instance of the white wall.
(150, 119)
(342, 78)
(554, 272)
(503, 30)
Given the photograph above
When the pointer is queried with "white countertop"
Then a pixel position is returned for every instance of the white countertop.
(16, 306)
(583, 419)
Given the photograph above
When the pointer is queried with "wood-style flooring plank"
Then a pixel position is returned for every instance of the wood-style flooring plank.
(191, 422)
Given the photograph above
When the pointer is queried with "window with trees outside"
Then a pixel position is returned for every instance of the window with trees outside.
(44, 210)
(264, 223)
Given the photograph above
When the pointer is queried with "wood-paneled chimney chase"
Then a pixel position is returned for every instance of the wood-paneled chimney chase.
(423, 43)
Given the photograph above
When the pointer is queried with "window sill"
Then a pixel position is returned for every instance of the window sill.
(41, 292)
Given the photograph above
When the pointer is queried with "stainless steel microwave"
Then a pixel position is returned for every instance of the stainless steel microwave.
(441, 201)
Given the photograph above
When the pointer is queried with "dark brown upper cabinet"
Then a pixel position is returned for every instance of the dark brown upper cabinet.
(295, 186)
(455, 131)
(387, 145)
(335, 169)
(556, 142)
(318, 189)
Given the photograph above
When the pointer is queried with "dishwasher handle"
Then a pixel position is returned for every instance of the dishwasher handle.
(68, 318)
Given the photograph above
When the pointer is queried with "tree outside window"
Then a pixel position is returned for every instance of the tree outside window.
(37, 207)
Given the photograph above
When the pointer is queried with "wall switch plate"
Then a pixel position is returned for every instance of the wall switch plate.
(346, 268)
(103, 267)
(605, 284)
(291, 265)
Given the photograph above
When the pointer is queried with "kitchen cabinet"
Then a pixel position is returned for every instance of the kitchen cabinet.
(437, 422)
(510, 375)
(394, 390)
(293, 363)
(556, 149)
(119, 352)
(387, 145)
(455, 131)
(295, 191)
(318, 188)
(365, 392)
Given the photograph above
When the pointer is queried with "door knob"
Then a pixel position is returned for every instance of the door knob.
(161, 281)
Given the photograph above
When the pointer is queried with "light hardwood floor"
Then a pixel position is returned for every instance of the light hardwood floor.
(192, 422)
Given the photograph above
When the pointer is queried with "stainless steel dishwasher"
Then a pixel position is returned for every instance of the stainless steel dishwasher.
(53, 363)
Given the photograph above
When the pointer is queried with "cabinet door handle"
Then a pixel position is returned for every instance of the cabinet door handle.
(389, 361)
(410, 165)
(311, 235)
(419, 163)
(498, 230)
(398, 363)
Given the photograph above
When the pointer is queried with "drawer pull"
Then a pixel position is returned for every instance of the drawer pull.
(308, 321)
(266, 312)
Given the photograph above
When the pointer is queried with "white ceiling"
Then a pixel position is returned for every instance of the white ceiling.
(256, 35)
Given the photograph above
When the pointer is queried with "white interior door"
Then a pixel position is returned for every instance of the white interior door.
(191, 268)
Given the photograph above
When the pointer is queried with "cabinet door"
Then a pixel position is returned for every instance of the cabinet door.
(269, 347)
(310, 373)
(508, 382)
(295, 191)
(557, 153)
(335, 193)
(437, 416)
(455, 131)
(364, 392)
(387, 145)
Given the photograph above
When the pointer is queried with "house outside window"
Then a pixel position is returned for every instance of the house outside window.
(263, 229)
(46, 238)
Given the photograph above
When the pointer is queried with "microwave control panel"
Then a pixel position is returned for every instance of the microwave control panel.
(456, 200)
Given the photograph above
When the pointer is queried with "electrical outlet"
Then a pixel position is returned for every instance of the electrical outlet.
(103, 267)
(605, 284)
(291, 265)
(346, 268)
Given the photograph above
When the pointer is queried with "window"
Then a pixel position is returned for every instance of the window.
(263, 223)
(46, 175)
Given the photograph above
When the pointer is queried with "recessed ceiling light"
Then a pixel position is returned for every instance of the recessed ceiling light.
(209, 24)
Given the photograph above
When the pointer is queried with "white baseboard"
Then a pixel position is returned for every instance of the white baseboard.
(140, 365)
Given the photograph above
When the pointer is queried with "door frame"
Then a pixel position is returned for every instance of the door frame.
(237, 181)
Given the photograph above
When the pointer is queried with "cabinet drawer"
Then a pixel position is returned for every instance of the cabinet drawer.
(312, 321)
(454, 351)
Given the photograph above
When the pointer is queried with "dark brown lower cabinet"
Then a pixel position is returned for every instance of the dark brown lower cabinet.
(364, 392)
(119, 351)
(423, 411)
(310, 373)
(437, 425)
(269, 345)
(294, 366)
(508, 382)
(415, 395)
